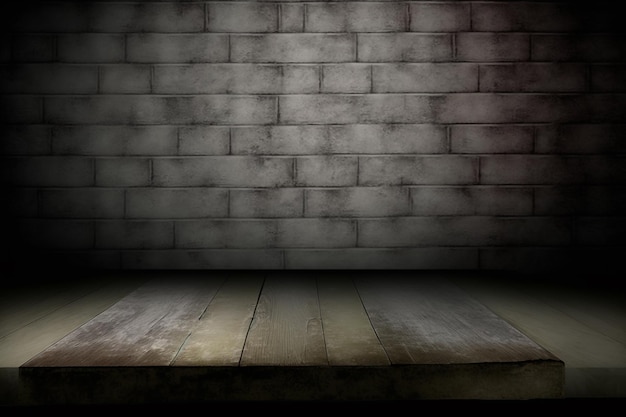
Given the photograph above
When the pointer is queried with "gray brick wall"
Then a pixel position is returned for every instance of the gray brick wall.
(287, 134)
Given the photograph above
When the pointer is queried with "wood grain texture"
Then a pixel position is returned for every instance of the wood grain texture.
(287, 326)
(290, 336)
(578, 345)
(28, 341)
(218, 337)
(350, 338)
(147, 327)
(433, 322)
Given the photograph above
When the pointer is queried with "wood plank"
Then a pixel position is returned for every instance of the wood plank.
(28, 341)
(218, 337)
(578, 345)
(423, 321)
(607, 319)
(596, 308)
(287, 326)
(147, 327)
(22, 306)
(350, 337)
(295, 315)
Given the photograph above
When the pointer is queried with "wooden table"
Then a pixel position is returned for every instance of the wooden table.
(292, 336)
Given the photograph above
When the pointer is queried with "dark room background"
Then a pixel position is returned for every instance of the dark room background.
(471, 135)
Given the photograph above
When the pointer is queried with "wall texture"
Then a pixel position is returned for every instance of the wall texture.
(304, 134)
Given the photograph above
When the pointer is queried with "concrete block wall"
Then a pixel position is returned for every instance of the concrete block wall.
(286, 134)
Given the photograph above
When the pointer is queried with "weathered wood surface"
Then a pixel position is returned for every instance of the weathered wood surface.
(433, 322)
(559, 331)
(292, 336)
(147, 327)
(293, 320)
(218, 337)
(48, 326)
(287, 326)
(350, 338)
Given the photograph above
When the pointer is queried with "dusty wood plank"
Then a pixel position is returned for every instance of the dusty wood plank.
(578, 345)
(218, 337)
(286, 328)
(350, 338)
(288, 320)
(422, 321)
(147, 327)
(31, 339)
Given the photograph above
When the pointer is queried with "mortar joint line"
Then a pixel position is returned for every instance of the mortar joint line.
(151, 170)
(177, 140)
(93, 167)
(453, 46)
(230, 140)
(125, 203)
(126, 48)
(229, 49)
(228, 197)
(152, 77)
(304, 16)
(407, 17)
